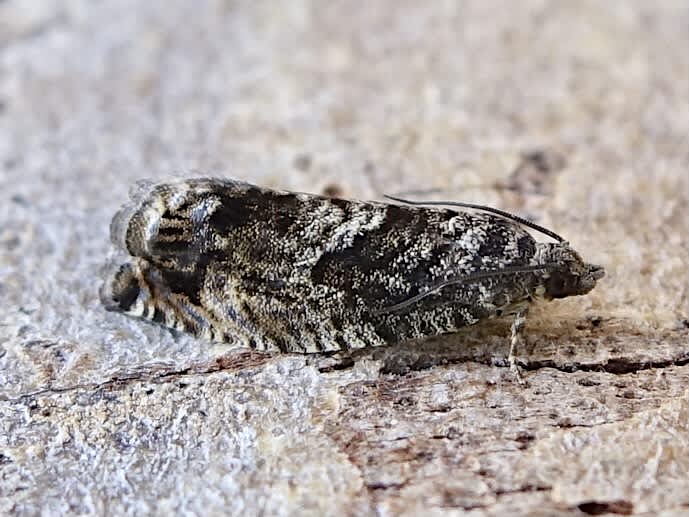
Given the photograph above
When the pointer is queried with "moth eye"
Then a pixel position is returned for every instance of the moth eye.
(556, 286)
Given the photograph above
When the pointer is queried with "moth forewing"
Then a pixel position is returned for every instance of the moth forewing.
(277, 270)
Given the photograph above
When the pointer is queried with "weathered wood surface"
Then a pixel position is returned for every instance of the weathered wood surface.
(100, 414)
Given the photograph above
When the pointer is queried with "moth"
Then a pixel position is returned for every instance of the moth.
(232, 262)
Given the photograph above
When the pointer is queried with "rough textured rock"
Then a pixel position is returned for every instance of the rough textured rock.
(574, 114)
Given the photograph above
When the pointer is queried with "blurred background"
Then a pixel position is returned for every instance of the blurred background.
(367, 95)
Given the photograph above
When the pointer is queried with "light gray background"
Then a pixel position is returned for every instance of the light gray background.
(100, 414)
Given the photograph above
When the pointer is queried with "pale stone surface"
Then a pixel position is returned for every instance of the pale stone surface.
(100, 414)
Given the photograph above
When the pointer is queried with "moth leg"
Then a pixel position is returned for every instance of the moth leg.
(517, 339)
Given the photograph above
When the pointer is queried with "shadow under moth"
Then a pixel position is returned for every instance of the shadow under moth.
(233, 262)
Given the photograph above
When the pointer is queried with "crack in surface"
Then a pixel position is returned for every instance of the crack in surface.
(154, 374)
(619, 507)
(524, 490)
(617, 366)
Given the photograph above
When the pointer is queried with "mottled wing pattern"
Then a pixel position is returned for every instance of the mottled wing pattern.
(231, 261)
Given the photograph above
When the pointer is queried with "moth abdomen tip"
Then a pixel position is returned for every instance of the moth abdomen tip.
(121, 289)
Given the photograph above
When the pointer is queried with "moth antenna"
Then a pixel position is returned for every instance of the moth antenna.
(510, 270)
(484, 208)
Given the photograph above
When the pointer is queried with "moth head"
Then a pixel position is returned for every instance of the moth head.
(567, 274)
